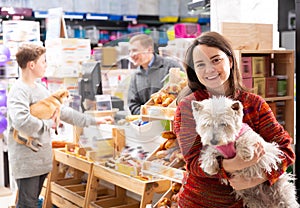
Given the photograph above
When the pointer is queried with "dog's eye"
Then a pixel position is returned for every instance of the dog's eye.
(223, 124)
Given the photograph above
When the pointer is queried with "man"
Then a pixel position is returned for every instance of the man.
(151, 70)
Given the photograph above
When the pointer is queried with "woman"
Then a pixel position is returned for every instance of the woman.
(212, 70)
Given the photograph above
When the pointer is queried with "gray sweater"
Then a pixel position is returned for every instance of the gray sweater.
(144, 83)
(23, 161)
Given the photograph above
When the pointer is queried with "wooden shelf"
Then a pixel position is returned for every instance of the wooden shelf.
(71, 192)
(282, 63)
(145, 189)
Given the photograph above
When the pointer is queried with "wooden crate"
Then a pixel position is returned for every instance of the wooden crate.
(61, 202)
(169, 173)
(117, 202)
(122, 183)
(71, 190)
(78, 162)
(68, 192)
(168, 195)
(157, 112)
(248, 36)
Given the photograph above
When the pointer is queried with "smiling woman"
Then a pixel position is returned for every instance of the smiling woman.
(212, 70)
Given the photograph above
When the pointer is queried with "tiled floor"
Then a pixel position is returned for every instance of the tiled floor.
(7, 197)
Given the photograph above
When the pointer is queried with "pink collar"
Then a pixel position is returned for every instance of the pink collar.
(228, 150)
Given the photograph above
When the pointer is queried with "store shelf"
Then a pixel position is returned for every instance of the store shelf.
(145, 188)
(71, 192)
(68, 191)
(281, 63)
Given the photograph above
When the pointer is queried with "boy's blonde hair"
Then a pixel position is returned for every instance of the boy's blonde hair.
(29, 52)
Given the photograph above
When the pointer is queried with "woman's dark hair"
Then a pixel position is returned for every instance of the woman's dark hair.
(216, 40)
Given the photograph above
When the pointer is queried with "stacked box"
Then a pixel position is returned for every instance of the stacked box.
(271, 86)
(259, 85)
(64, 56)
(109, 58)
(246, 68)
(248, 82)
(261, 66)
(258, 66)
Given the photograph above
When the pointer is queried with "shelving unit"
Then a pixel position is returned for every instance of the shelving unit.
(122, 182)
(67, 191)
(282, 63)
(71, 192)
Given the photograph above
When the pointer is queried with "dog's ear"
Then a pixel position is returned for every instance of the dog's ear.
(197, 106)
(63, 93)
(237, 107)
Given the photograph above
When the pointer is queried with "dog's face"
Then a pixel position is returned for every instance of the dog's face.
(218, 120)
(62, 95)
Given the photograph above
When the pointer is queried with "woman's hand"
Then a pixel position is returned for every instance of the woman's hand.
(240, 183)
(104, 120)
(237, 163)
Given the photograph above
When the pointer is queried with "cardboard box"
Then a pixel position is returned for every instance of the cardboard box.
(248, 36)
(271, 86)
(258, 66)
(246, 68)
(109, 56)
(259, 85)
(65, 55)
(128, 169)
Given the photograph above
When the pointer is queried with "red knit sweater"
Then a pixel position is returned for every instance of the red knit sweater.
(201, 190)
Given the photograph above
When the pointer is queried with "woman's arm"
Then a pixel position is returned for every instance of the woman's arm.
(262, 120)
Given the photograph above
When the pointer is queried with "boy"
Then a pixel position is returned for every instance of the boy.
(31, 168)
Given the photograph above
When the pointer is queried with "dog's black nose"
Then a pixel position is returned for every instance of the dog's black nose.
(214, 142)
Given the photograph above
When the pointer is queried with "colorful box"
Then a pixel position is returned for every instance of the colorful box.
(268, 72)
(246, 68)
(259, 85)
(248, 82)
(271, 86)
(258, 66)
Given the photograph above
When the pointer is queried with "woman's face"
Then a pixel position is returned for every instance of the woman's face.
(212, 66)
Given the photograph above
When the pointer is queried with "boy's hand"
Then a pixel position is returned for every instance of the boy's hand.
(54, 116)
(104, 120)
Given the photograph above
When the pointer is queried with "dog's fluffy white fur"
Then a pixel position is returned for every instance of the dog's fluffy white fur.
(218, 122)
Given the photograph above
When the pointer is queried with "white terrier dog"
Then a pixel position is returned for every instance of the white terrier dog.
(219, 123)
